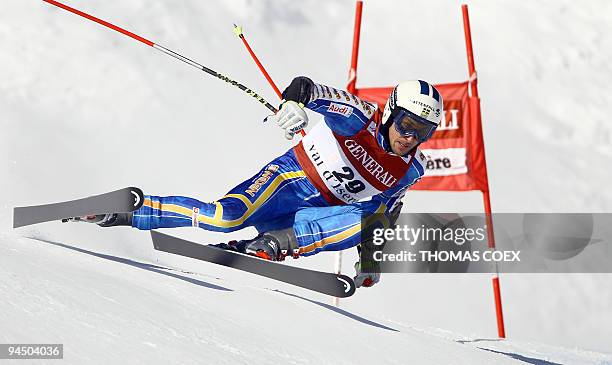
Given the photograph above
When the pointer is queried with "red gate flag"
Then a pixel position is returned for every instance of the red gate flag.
(455, 153)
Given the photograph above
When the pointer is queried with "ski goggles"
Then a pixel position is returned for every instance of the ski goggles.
(409, 124)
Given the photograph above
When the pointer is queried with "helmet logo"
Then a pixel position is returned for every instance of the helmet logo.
(427, 109)
(425, 113)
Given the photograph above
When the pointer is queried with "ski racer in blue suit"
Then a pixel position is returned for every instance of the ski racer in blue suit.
(313, 198)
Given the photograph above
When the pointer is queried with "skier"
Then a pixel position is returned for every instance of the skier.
(313, 197)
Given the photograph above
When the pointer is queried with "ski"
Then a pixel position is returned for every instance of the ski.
(118, 201)
(336, 285)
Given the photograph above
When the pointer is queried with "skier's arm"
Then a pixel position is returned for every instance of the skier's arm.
(343, 112)
(367, 269)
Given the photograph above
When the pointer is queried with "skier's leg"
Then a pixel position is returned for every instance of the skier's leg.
(171, 211)
(279, 189)
(332, 228)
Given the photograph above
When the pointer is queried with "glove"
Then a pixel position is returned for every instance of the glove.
(291, 117)
(366, 279)
(394, 214)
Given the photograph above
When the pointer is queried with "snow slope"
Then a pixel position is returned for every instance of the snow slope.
(84, 110)
(119, 310)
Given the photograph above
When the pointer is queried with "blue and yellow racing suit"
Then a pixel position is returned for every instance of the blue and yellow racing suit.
(322, 187)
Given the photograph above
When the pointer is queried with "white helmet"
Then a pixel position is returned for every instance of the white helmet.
(414, 101)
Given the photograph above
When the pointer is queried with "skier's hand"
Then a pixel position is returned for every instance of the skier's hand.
(365, 279)
(291, 117)
(366, 261)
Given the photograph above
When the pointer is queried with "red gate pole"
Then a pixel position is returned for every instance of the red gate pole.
(350, 87)
(486, 197)
(352, 79)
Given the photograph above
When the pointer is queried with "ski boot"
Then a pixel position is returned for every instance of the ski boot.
(273, 246)
(104, 220)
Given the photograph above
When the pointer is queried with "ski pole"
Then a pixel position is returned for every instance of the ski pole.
(166, 51)
(240, 34)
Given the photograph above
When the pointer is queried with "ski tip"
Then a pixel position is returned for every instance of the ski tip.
(138, 196)
(349, 286)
